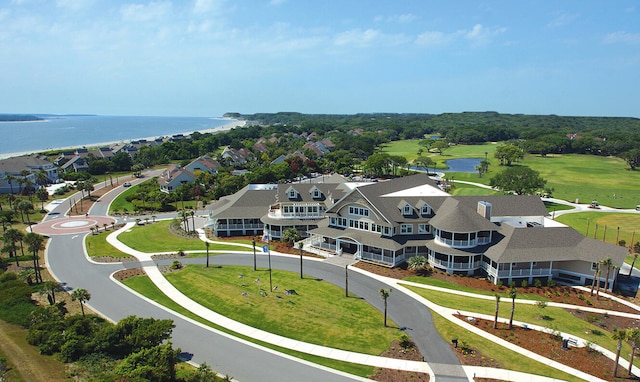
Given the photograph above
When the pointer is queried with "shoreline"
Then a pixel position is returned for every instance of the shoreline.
(212, 130)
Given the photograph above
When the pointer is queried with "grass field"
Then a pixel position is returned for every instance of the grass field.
(318, 313)
(505, 357)
(156, 237)
(627, 222)
(573, 176)
(143, 285)
(97, 246)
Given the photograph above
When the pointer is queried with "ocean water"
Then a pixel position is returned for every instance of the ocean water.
(73, 131)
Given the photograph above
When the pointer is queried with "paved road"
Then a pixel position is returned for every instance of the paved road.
(67, 262)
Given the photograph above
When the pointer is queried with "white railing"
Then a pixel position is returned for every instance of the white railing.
(463, 243)
(525, 272)
(224, 227)
(457, 266)
(377, 257)
(278, 214)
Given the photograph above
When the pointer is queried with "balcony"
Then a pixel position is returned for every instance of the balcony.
(525, 272)
(225, 227)
(279, 214)
(463, 243)
(456, 266)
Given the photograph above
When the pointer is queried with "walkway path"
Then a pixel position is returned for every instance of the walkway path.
(155, 275)
(55, 227)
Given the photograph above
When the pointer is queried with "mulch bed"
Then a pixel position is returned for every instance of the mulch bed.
(560, 294)
(410, 353)
(127, 273)
(550, 346)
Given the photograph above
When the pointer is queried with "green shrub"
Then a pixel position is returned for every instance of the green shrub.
(551, 283)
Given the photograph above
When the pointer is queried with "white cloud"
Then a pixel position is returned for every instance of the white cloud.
(561, 19)
(622, 37)
(141, 12)
(434, 38)
(365, 38)
(481, 35)
(401, 19)
(206, 6)
(73, 4)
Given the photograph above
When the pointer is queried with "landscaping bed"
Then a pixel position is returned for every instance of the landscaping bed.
(584, 359)
(398, 351)
(559, 294)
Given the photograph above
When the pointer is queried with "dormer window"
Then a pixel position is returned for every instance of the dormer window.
(407, 210)
(425, 210)
(292, 193)
(316, 193)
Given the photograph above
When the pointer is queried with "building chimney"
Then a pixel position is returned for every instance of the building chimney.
(484, 209)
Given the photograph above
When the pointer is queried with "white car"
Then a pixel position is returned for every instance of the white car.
(126, 184)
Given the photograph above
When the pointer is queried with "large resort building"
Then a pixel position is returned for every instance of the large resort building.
(504, 238)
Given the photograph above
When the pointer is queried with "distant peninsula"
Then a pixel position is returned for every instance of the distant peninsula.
(19, 118)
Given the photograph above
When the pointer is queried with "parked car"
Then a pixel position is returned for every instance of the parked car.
(126, 184)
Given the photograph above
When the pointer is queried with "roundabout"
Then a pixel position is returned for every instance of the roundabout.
(71, 225)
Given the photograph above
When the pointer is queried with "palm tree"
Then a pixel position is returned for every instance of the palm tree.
(193, 221)
(495, 319)
(184, 215)
(43, 195)
(206, 244)
(50, 288)
(41, 178)
(300, 245)
(607, 263)
(635, 248)
(619, 335)
(417, 263)
(10, 178)
(25, 206)
(513, 293)
(82, 295)
(11, 236)
(633, 335)
(384, 294)
(596, 273)
(36, 244)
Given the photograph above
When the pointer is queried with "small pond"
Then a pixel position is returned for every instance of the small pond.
(457, 165)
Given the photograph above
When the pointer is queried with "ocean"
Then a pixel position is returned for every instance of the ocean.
(77, 131)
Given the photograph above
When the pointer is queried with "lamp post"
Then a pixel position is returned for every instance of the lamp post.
(253, 241)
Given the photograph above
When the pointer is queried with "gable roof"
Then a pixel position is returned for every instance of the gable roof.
(246, 203)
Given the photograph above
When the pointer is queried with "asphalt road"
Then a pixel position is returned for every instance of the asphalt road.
(229, 356)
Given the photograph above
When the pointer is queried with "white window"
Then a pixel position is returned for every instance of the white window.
(316, 193)
(426, 210)
(406, 210)
(332, 221)
(594, 266)
(292, 194)
(424, 228)
(406, 229)
(358, 211)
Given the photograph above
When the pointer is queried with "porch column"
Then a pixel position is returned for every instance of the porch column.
(551, 273)
(510, 272)
(530, 272)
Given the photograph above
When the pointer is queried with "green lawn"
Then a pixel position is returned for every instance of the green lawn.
(549, 317)
(599, 177)
(504, 293)
(509, 360)
(156, 237)
(461, 189)
(120, 203)
(144, 285)
(551, 206)
(97, 246)
(627, 222)
(319, 313)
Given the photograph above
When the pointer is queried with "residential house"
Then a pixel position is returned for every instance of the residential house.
(173, 177)
(31, 165)
(204, 163)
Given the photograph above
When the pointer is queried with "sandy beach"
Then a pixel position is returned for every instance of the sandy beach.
(214, 130)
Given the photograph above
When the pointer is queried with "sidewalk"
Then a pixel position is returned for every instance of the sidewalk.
(471, 371)
(161, 282)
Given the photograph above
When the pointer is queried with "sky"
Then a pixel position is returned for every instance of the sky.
(208, 57)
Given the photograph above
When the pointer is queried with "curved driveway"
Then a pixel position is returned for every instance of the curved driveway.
(68, 263)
